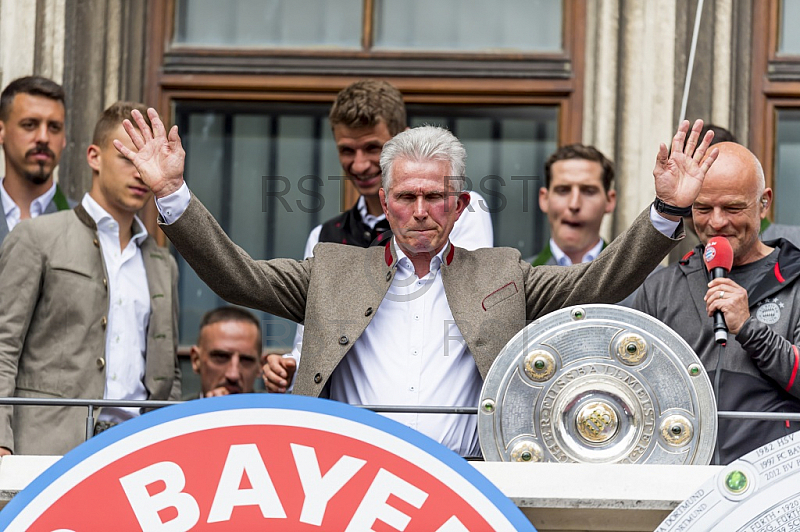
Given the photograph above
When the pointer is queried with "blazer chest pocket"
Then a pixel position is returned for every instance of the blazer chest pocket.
(69, 270)
(500, 295)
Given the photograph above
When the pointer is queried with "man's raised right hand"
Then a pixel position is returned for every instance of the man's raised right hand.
(159, 157)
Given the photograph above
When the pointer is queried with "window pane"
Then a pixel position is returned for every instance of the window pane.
(230, 147)
(247, 164)
(789, 40)
(506, 150)
(468, 25)
(269, 23)
(787, 167)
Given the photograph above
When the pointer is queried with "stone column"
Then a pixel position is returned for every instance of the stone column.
(103, 63)
(636, 59)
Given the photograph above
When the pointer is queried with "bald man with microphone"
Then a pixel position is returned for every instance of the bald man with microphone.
(755, 363)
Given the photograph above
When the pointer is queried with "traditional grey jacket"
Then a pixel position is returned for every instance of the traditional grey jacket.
(492, 293)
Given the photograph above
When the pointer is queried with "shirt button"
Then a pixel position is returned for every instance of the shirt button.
(103, 322)
(416, 316)
(343, 340)
(96, 243)
(105, 283)
(367, 235)
(101, 363)
(388, 276)
(318, 378)
(411, 388)
(368, 312)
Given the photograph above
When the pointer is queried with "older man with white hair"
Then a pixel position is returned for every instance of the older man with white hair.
(418, 321)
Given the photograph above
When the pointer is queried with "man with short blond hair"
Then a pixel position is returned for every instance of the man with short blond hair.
(88, 307)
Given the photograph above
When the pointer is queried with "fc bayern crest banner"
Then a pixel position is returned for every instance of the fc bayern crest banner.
(261, 462)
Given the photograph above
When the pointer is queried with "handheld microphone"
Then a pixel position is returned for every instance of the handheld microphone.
(718, 257)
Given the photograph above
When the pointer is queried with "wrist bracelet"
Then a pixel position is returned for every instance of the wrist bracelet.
(666, 208)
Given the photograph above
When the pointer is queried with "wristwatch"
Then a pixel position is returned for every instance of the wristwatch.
(666, 208)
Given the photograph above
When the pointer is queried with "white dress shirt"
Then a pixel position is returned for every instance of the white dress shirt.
(563, 260)
(128, 312)
(412, 352)
(12, 210)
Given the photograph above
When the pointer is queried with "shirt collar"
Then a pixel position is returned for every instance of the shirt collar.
(404, 263)
(38, 205)
(563, 260)
(368, 219)
(105, 221)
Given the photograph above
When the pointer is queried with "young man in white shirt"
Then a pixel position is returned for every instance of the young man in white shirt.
(88, 307)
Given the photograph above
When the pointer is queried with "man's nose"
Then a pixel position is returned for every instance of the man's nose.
(43, 135)
(575, 200)
(420, 207)
(361, 162)
(718, 219)
(232, 371)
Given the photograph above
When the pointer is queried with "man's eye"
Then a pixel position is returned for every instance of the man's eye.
(220, 358)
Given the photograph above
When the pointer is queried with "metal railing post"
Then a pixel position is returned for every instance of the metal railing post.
(90, 422)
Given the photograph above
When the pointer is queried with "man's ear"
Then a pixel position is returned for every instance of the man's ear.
(194, 356)
(462, 202)
(544, 195)
(765, 202)
(3, 132)
(611, 195)
(93, 157)
(382, 196)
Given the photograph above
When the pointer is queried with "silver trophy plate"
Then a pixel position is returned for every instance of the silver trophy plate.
(597, 384)
(759, 492)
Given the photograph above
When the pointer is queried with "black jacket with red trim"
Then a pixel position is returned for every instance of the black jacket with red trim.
(760, 366)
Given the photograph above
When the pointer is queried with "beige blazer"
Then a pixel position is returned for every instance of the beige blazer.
(492, 292)
(53, 307)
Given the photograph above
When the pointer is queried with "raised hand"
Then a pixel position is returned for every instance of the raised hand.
(679, 173)
(159, 157)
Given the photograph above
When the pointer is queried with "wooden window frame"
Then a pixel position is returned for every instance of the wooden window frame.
(175, 72)
(775, 84)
